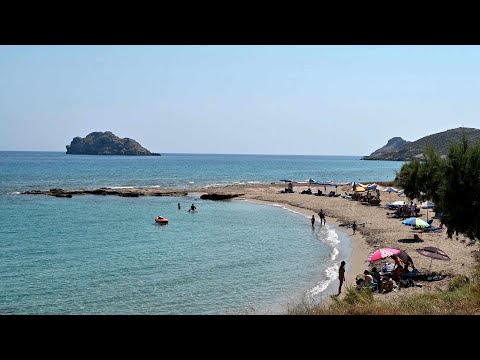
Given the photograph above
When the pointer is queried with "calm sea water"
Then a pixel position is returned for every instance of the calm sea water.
(105, 254)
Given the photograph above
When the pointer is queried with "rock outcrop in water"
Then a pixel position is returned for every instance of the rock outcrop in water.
(107, 191)
(219, 196)
(106, 143)
(399, 149)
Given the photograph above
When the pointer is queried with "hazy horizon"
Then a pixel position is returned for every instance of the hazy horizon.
(272, 100)
(188, 153)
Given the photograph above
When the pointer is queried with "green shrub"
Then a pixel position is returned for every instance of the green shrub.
(457, 282)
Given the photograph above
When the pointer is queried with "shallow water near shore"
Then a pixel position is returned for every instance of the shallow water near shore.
(105, 255)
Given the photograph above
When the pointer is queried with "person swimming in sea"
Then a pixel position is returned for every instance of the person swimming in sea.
(192, 208)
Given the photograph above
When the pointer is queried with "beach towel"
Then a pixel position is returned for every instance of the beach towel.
(388, 267)
(411, 274)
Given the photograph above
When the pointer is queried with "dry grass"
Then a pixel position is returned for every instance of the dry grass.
(461, 298)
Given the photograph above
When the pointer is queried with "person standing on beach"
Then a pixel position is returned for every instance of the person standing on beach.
(313, 220)
(354, 227)
(321, 214)
(341, 276)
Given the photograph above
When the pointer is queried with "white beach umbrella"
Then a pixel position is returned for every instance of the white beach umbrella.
(390, 190)
(427, 205)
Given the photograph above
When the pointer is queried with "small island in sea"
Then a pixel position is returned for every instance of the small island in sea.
(106, 143)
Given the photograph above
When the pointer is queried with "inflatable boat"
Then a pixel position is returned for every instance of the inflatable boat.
(161, 220)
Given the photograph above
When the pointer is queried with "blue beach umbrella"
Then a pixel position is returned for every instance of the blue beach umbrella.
(324, 183)
(310, 181)
(417, 222)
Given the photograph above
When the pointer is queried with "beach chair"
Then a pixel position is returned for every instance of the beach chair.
(433, 229)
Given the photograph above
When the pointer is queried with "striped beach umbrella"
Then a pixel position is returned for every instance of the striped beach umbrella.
(417, 222)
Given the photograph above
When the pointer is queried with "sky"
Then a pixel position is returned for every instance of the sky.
(298, 100)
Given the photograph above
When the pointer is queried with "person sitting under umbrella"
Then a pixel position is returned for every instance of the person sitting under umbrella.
(398, 270)
(377, 278)
(407, 264)
(389, 284)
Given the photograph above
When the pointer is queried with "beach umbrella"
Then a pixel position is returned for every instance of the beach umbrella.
(335, 184)
(427, 205)
(398, 203)
(417, 222)
(356, 184)
(359, 189)
(390, 190)
(382, 254)
(310, 181)
(433, 253)
(405, 257)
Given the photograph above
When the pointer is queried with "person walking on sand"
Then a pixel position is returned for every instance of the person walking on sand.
(313, 220)
(354, 227)
(341, 276)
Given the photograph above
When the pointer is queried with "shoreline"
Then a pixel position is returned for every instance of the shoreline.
(379, 230)
(356, 250)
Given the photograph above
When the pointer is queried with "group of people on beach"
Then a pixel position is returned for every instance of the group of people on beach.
(321, 215)
(385, 281)
(376, 282)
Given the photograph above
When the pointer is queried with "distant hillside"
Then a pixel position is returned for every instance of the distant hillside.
(106, 143)
(399, 149)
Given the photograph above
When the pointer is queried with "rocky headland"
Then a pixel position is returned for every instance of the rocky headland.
(106, 143)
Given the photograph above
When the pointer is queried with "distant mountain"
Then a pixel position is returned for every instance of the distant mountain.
(106, 143)
(399, 149)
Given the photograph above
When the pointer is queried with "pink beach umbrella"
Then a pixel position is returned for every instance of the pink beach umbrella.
(382, 254)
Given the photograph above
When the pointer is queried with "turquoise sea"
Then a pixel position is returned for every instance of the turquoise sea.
(105, 255)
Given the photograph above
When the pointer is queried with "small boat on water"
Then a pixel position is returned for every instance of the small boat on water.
(161, 220)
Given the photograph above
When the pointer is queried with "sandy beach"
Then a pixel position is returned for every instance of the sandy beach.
(379, 231)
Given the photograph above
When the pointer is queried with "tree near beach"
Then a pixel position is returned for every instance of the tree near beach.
(452, 183)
